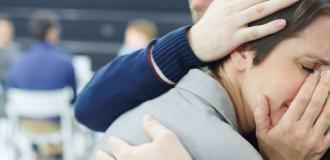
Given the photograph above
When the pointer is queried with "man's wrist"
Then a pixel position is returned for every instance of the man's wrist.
(174, 56)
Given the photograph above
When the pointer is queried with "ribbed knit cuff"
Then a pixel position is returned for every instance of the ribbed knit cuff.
(173, 55)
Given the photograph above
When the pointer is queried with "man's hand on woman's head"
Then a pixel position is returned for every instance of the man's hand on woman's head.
(165, 145)
(302, 132)
(224, 26)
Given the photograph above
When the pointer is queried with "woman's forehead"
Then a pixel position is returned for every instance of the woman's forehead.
(314, 39)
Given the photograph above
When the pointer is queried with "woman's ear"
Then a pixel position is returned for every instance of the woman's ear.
(242, 58)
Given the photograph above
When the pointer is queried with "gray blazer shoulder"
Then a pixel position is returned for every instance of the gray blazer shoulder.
(199, 126)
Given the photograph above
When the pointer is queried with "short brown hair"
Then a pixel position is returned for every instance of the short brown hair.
(41, 21)
(297, 16)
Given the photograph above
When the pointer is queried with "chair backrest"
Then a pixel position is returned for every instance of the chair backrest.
(38, 103)
(40, 117)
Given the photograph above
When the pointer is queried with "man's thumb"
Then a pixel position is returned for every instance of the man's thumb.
(154, 129)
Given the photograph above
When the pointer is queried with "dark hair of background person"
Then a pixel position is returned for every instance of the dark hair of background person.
(41, 21)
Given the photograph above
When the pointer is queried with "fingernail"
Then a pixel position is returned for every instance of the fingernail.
(328, 72)
(325, 73)
(148, 118)
(317, 73)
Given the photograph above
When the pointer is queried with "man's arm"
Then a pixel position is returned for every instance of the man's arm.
(130, 80)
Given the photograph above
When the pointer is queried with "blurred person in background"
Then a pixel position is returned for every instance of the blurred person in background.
(8, 49)
(43, 66)
(137, 35)
(8, 52)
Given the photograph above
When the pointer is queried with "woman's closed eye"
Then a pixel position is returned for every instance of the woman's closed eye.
(308, 69)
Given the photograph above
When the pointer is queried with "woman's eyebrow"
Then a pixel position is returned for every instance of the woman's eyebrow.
(319, 60)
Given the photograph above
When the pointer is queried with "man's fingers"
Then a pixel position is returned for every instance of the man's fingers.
(261, 115)
(301, 101)
(154, 129)
(100, 155)
(244, 4)
(318, 100)
(262, 10)
(256, 32)
(117, 146)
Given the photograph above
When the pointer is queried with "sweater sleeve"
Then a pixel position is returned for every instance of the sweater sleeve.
(130, 80)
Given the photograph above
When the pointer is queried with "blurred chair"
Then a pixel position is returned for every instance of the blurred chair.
(6, 149)
(83, 70)
(41, 118)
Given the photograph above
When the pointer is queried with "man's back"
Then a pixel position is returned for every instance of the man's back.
(42, 67)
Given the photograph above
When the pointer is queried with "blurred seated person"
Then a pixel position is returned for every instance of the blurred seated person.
(138, 35)
(8, 52)
(8, 49)
(43, 66)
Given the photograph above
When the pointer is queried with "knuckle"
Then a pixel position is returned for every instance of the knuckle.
(311, 81)
(317, 148)
(302, 135)
(325, 81)
(254, 34)
(307, 145)
(151, 124)
(304, 99)
(170, 136)
(327, 115)
(324, 84)
(312, 145)
(288, 128)
(227, 9)
(260, 9)
(317, 103)
(322, 149)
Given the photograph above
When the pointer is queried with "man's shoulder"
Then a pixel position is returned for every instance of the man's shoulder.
(63, 56)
